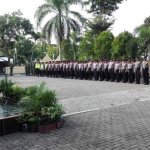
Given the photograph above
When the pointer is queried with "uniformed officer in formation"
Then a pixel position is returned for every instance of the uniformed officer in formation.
(104, 70)
(137, 70)
(145, 70)
(27, 69)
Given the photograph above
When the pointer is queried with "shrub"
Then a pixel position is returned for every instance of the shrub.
(6, 87)
(40, 104)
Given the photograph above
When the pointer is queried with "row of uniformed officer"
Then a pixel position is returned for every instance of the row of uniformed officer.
(112, 70)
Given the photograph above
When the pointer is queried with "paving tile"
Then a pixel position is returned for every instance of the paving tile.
(123, 125)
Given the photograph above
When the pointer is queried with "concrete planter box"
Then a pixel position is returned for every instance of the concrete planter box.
(49, 127)
(9, 125)
(45, 128)
(59, 124)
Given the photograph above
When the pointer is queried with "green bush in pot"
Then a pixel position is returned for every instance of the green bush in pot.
(42, 103)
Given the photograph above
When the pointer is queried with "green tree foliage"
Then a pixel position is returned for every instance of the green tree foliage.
(67, 49)
(24, 49)
(61, 24)
(143, 35)
(52, 51)
(102, 45)
(86, 47)
(37, 51)
(12, 26)
(147, 22)
(99, 24)
(124, 46)
(27, 49)
(75, 39)
(102, 6)
(36, 36)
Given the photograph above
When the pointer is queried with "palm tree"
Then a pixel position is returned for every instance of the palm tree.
(35, 36)
(61, 24)
(74, 40)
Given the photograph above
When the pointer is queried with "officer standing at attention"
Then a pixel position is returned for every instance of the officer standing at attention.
(137, 70)
(42, 69)
(76, 69)
(46, 69)
(60, 69)
(111, 67)
(71, 69)
(85, 70)
(32, 69)
(39, 66)
(106, 73)
(56, 69)
(95, 70)
(101, 70)
(123, 69)
(35, 69)
(145, 71)
(117, 70)
(130, 68)
(27, 68)
(67, 69)
(90, 67)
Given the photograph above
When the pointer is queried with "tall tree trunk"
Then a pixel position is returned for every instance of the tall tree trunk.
(31, 56)
(60, 51)
(74, 51)
(60, 36)
(74, 55)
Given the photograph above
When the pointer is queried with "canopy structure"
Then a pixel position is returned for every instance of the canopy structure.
(46, 59)
(58, 58)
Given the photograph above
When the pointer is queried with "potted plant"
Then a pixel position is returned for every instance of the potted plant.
(47, 119)
(10, 91)
(23, 121)
(42, 107)
(17, 93)
(6, 87)
(33, 120)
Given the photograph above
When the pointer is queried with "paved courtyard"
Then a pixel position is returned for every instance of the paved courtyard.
(99, 116)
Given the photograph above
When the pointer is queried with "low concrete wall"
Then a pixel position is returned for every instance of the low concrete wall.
(16, 70)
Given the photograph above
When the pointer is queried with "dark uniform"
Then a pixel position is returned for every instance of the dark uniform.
(95, 67)
(145, 71)
(46, 69)
(101, 69)
(11, 69)
(130, 67)
(71, 69)
(81, 66)
(117, 70)
(27, 69)
(42, 69)
(106, 73)
(123, 70)
(32, 68)
(76, 67)
(111, 70)
(90, 66)
(137, 69)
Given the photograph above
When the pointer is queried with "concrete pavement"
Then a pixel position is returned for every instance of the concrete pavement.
(99, 116)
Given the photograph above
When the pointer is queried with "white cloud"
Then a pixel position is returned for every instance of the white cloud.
(130, 14)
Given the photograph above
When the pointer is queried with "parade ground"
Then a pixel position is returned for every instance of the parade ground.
(99, 115)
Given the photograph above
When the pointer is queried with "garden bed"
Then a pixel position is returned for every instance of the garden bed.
(39, 105)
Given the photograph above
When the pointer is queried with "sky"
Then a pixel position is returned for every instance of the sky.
(131, 13)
